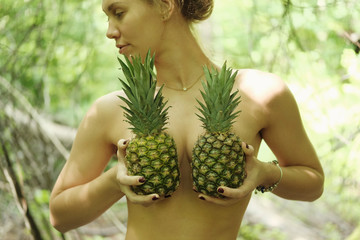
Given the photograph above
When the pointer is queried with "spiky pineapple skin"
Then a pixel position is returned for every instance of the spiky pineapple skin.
(154, 157)
(217, 160)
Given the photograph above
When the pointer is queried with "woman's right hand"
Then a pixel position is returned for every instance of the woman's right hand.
(126, 181)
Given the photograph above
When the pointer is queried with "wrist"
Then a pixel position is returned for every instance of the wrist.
(274, 172)
(113, 181)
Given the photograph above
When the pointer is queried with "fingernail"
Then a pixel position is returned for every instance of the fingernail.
(155, 198)
(202, 198)
(220, 190)
(142, 180)
(167, 196)
(195, 190)
(125, 142)
(247, 146)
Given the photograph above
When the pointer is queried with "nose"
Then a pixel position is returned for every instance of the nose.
(112, 31)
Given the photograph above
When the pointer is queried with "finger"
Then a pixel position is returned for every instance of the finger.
(131, 180)
(139, 199)
(236, 193)
(218, 201)
(122, 145)
(248, 149)
(125, 179)
(145, 200)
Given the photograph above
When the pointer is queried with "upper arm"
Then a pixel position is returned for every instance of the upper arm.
(91, 150)
(284, 132)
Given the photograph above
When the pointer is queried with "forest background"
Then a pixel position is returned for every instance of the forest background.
(55, 61)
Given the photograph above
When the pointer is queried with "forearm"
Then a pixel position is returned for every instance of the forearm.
(81, 204)
(298, 182)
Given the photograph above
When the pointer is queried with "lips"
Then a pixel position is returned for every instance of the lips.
(122, 47)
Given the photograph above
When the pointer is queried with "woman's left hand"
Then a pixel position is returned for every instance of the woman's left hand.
(253, 179)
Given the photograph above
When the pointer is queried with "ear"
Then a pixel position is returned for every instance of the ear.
(167, 8)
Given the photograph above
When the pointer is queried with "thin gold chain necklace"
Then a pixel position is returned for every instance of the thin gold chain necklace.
(184, 89)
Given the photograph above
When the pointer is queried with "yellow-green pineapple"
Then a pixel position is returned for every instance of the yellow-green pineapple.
(152, 152)
(218, 158)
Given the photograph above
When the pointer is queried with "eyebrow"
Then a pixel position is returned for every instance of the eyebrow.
(111, 6)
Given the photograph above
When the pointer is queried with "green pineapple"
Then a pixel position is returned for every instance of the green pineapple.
(218, 158)
(152, 153)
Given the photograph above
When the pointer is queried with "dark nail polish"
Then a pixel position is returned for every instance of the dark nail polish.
(167, 196)
(247, 146)
(155, 198)
(220, 190)
(125, 142)
(195, 190)
(202, 198)
(142, 180)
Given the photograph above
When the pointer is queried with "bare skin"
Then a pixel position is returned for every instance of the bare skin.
(269, 112)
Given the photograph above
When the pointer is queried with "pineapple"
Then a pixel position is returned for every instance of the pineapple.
(217, 157)
(152, 152)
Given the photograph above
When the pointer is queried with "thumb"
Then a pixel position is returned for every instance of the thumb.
(122, 145)
(248, 149)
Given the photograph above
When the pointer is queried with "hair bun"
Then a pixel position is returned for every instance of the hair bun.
(196, 10)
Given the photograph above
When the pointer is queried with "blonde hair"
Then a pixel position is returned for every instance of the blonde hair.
(192, 10)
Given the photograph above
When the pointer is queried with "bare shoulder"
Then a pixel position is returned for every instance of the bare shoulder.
(104, 113)
(106, 106)
(262, 86)
(108, 101)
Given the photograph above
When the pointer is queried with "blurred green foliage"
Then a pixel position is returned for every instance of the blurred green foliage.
(53, 51)
(56, 54)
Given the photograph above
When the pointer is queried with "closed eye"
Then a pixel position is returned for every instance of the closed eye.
(118, 13)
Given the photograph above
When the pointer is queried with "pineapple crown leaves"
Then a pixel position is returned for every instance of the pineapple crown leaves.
(217, 111)
(146, 110)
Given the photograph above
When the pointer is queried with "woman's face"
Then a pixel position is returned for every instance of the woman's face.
(135, 26)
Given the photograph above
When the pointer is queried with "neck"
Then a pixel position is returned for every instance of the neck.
(180, 64)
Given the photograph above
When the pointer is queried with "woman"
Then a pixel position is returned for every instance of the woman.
(269, 112)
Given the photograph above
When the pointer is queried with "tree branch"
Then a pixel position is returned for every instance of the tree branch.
(34, 114)
(17, 192)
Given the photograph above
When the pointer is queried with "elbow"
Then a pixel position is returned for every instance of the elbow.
(57, 225)
(316, 195)
(319, 189)
(56, 221)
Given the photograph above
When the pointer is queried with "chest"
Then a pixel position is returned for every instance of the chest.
(185, 126)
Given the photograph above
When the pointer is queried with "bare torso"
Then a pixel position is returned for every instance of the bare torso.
(184, 216)
(269, 111)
